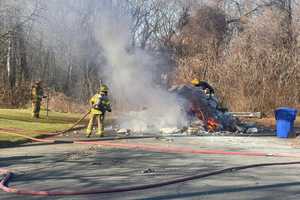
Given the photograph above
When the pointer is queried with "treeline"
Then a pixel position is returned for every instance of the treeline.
(247, 49)
(252, 56)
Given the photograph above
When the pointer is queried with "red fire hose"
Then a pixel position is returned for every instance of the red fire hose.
(159, 148)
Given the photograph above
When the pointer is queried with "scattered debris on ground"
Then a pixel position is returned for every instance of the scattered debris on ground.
(170, 130)
(124, 131)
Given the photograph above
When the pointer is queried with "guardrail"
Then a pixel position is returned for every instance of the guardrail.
(247, 114)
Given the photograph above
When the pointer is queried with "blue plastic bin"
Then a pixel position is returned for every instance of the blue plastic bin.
(285, 118)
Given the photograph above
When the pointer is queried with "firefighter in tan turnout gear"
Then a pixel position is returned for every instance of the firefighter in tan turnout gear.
(99, 105)
(37, 94)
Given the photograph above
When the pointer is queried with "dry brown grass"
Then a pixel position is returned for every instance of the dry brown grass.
(257, 71)
(59, 102)
(16, 97)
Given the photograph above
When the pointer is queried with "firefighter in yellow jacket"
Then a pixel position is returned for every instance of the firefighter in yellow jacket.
(99, 105)
(37, 94)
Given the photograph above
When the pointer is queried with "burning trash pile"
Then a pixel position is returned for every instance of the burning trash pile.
(204, 111)
(207, 117)
(201, 115)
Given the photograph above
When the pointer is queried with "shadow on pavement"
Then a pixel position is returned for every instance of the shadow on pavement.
(222, 191)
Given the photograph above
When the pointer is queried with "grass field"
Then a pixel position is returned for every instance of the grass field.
(20, 121)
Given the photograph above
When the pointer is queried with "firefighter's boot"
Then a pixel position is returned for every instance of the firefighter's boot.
(100, 120)
(100, 134)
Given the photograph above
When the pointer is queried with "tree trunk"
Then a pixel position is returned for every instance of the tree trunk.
(11, 62)
(8, 60)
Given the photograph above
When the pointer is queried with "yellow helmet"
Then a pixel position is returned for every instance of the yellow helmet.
(195, 81)
(103, 88)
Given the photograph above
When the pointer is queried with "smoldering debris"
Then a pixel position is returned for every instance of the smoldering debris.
(170, 130)
(203, 112)
(203, 108)
(124, 131)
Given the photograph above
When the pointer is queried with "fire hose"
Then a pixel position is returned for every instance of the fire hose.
(7, 176)
(155, 148)
(75, 124)
(50, 134)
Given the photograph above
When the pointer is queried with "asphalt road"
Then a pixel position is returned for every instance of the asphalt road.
(75, 167)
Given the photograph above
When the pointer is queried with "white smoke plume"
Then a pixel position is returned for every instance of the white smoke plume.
(130, 74)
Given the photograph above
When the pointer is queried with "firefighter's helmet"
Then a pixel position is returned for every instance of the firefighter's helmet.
(103, 88)
(195, 81)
